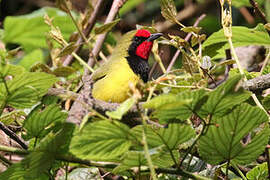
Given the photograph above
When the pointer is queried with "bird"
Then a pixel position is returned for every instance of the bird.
(127, 65)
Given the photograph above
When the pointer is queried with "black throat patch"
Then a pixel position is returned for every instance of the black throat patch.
(138, 65)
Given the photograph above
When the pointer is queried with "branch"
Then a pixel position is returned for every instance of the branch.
(13, 135)
(68, 158)
(258, 11)
(78, 111)
(184, 14)
(86, 31)
(257, 84)
(186, 39)
(117, 4)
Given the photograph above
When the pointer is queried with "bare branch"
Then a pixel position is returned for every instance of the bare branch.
(86, 31)
(186, 39)
(13, 135)
(117, 4)
(257, 84)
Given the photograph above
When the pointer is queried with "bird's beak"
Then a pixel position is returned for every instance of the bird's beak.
(154, 36)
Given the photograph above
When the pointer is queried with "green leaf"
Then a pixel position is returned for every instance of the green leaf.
(67, 50)
(216, 44)
(129, 5)
(37, 164)
(64, 71)
(30, 29)
(188, 29)
(160, 101)
(160, 157)
(163, 158)
(168, 10)
(224, 140)
(101, 140)
(106, 27)
(131, 159)
(181, 106)
(122, 109)
(32, 58)
(259, 172)
(172, 136)
(224, 98)
(9, 118)
(38, 124)
(267, 10)
(11, 70)
(266, 102)
(18, 172)
(26, 89)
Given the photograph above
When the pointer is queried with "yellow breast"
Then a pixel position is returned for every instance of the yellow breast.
(115, 85)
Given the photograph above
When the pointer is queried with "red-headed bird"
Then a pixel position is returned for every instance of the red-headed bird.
(127, 64)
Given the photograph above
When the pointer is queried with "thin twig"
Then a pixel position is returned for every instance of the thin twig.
(5, 161)
(187, 12)
(257, 10)
(117, 4)
(265, 61)
(86, 31)
(186, 39)
(268, 161)
(13, 135)
(146, 150)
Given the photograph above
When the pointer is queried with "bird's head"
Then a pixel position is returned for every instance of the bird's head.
(142, 43)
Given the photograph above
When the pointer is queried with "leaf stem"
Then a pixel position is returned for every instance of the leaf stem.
(146, 149)
(240, 172)
(5, 161)
(77, 26)
(13, 150)
(265, 62)
(82, 62)
(204, 130)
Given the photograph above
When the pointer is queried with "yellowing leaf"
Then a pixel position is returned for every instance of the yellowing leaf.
(106, 27)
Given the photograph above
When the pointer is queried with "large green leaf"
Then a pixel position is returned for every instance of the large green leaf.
(131, 159)
(37, 164)
(259, 172)
(101, 140)
(216, 44)
(159, 156)
(122, 109)
(171, 137)
(9, 69)
(224, 140)
(224, 98)
(30, 30)
(181, 106)
(37, 123)
(26, 89)
(32, 58)
(18, 172)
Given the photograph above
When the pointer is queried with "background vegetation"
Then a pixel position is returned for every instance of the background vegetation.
(202, 115)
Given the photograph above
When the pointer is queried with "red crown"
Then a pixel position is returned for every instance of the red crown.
(143, 33)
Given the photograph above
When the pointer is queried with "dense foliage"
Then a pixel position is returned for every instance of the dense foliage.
(181, 124)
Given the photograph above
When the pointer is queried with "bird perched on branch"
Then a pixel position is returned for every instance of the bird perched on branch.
(127, 64)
